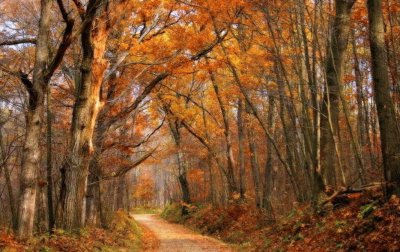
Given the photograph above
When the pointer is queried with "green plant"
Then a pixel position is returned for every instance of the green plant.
(366, 210)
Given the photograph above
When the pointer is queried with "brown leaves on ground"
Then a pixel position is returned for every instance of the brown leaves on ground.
(231, 223)
(91, 239)
(366, 224)
(149, 241)
(123, 235)
(8, 243)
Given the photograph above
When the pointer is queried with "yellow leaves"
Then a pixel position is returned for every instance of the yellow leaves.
(272, 85)
(235, 60)
(123, 46)
(185, 113)
(236, 196)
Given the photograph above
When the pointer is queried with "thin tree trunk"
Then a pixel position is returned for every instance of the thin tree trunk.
(211, 196)
(359, 95)
(241, 160)
(257, 115)
(174, 126)
(7, 176)
(50, 205)
(268, 163)
(228, 139)
(288, 134)
(255, 167)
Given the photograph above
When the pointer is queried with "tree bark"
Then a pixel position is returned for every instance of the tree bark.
(267, 190)
(174, 126)
(44, 68)
(34, 121)
(241, 158)
(334, 75)
(388, 125)
(50, 205)
(228, 139)
(211, 195)
(7, 176)
(255, 167)
(87, 105)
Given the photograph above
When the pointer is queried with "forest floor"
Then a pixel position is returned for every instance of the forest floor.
(123, 235)
(176, 238)
(363, 223)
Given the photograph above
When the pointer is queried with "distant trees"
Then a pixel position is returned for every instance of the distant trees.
(145, 190)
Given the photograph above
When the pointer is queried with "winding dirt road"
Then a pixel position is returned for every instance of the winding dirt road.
(176, 238)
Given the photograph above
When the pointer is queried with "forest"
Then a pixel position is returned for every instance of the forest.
(126, 125)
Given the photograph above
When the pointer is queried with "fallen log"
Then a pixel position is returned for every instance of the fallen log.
(343, 196)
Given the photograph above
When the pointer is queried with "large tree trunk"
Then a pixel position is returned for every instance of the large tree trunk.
(34, 121)
(334, 74)
(30, 162)
(44, 68)
(86, 108)
(94, 204)
(121, 190)
(389, 128)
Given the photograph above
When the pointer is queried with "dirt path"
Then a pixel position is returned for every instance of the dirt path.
(176, 238)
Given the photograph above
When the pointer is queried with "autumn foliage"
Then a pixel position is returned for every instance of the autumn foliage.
(231, 112)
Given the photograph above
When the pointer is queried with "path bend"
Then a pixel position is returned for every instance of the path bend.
(176, 238)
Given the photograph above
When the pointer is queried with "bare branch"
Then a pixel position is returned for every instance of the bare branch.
(209, 48)
(18, 41)
(146, 139)
(65, 42)
(140, 98)
(63, 10)
(80, 7)
(25, 80)
(126, 169)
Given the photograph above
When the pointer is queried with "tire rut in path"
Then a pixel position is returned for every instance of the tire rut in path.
(176, 238)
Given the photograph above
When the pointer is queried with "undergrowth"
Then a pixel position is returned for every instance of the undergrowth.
(146, 210)
(124, 235)
(367, 223)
